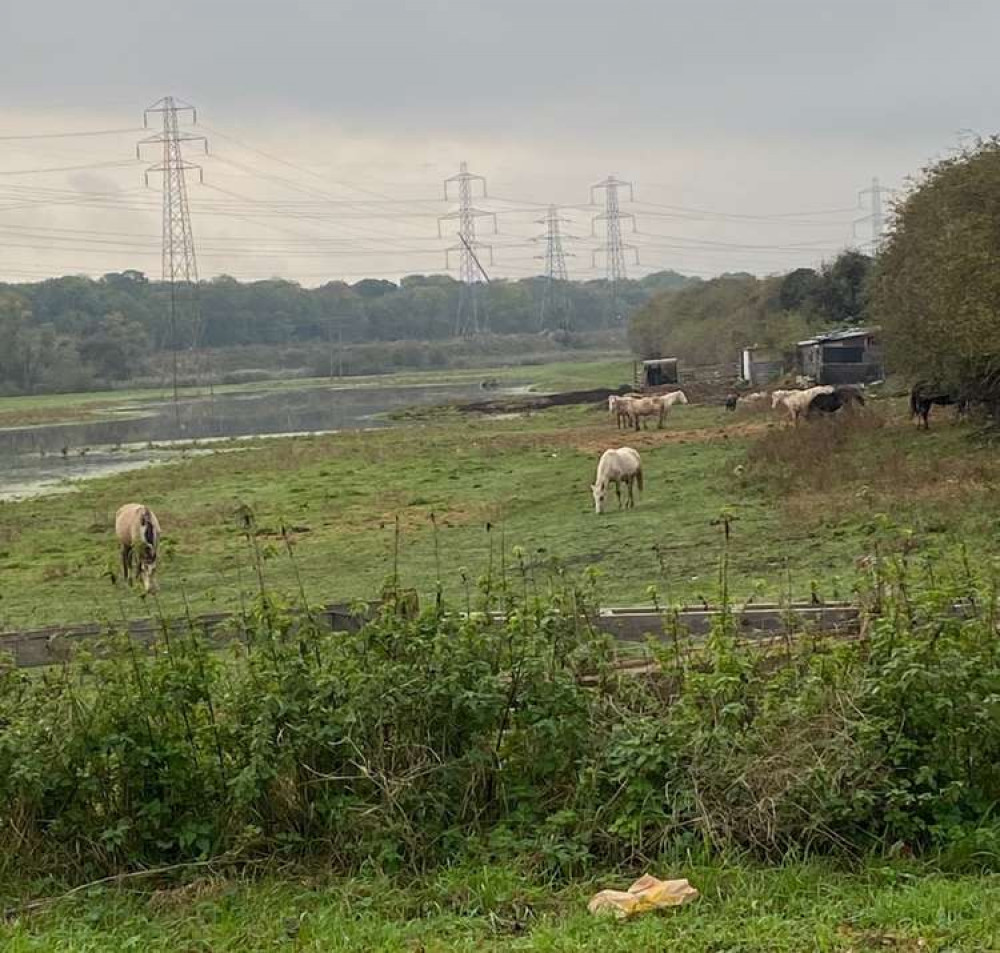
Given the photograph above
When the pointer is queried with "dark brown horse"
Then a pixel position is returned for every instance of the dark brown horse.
(925, 395)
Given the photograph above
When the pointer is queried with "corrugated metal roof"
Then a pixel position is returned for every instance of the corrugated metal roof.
(844, 334)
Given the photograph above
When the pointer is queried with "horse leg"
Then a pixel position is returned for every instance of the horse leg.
(618, 493)
(631, 498)
(126, 561)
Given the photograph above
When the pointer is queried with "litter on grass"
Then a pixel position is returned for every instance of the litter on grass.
(646, 894)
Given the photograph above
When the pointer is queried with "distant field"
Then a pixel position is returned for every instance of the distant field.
(803, 509)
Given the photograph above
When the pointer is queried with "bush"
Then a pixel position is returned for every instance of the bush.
(416, 741)
(936, 291)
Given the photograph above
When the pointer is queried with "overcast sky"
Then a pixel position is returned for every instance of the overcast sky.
(747, 128)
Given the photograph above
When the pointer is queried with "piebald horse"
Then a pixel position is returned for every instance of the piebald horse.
(617, 466)
(796, 402)
(138, 532)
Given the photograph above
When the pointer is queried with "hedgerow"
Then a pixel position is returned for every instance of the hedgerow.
(422, 739)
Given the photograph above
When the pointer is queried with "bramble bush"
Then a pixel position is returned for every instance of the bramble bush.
(419, 740)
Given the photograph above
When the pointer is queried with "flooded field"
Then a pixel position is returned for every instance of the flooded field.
(50, 458)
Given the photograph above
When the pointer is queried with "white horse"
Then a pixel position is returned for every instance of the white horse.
(618, 410)
(796, 402)
(138, 532)
(617, 466)
(673, 398)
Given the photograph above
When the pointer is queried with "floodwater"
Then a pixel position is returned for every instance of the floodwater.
(51, 458)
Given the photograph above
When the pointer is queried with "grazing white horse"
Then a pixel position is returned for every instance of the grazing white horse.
(617, 466)
(138, 532)
(796, 402)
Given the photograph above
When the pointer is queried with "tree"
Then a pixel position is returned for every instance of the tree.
(801, 290)
(116, 347)
(23, 346)
(936, 289)
(843, 293)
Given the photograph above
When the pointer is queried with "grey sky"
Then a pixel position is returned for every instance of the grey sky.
(748, 110)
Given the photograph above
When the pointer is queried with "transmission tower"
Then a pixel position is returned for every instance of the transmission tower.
(468, 319)
(179, 266)
(876, 218)
(554, 298)
(614, 248)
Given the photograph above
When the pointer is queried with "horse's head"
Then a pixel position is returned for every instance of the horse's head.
(147, 566)
(599, 490)
(681, 397)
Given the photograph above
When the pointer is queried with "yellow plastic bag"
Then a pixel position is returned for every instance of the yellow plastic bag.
(646, 894)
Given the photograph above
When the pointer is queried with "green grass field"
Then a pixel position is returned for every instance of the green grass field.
(802, 503)
(791, 909)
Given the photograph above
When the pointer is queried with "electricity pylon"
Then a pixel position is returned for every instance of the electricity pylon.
(877, 216)
(468, 320)
(179, 265)
(613, 248)
(554, 298)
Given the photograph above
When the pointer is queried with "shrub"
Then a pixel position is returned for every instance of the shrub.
(417, 740)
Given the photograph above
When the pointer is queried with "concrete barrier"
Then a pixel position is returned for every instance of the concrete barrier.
(55, 644)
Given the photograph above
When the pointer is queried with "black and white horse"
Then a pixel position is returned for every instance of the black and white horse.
(834, 400)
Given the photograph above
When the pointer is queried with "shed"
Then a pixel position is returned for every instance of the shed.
(660, 372)
(851, 356)
(759, 365)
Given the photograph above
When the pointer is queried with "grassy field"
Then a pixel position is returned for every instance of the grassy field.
(792, 909)
(463, 487)
(471, 494)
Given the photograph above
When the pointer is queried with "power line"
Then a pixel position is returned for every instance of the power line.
(114, 164)
(773, 216)
(467, 318)
(71, 135)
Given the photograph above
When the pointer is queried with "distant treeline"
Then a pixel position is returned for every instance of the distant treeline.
(76, 333)
(709, 322)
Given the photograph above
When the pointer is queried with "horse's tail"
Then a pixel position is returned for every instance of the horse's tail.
(916, 392)
(638, 478)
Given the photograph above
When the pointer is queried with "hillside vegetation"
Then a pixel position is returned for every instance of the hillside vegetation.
(709, 322)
